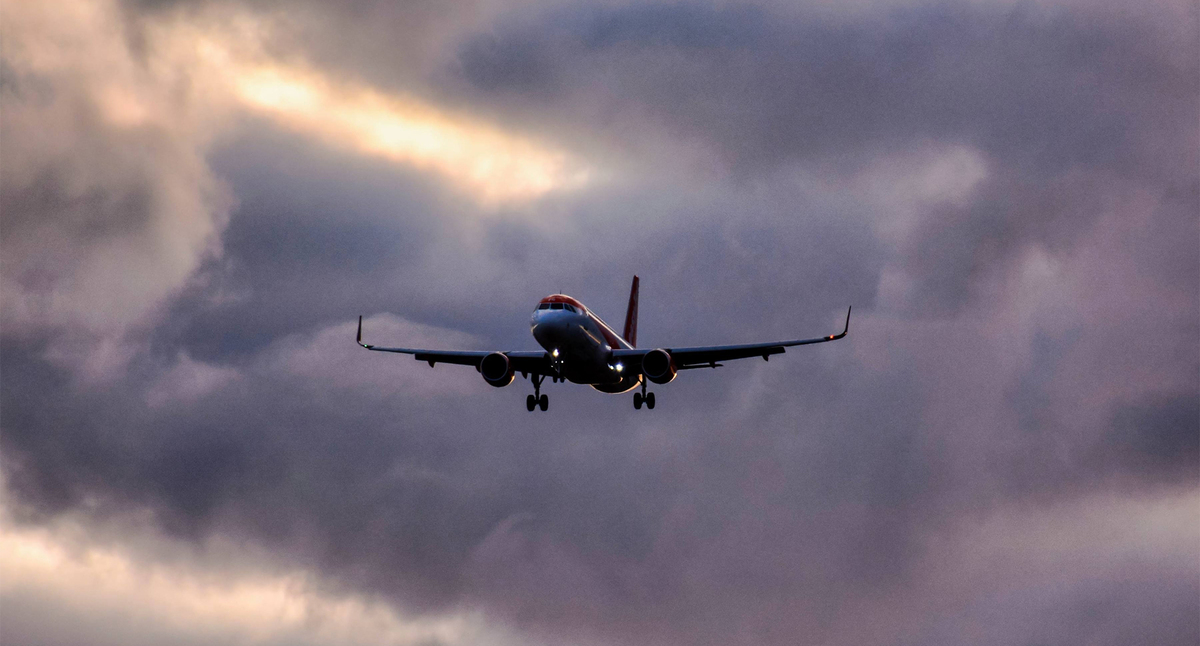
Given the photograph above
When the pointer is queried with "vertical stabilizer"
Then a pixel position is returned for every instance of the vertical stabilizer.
(631, 315)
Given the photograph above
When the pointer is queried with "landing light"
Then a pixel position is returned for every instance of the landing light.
(554, 352)
(619, 367)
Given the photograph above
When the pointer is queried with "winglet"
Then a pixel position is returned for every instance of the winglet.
(358, 337)
(846, 329)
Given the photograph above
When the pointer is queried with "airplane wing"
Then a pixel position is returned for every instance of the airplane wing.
(707, 356)
(534, 362)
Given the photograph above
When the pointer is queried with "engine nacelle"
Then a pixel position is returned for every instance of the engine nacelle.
(496, 369)
(658, 366)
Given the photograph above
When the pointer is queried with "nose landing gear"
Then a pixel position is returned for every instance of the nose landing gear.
(537, 399)
(643, 398)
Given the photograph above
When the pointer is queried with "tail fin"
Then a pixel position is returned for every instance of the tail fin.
(631, 315)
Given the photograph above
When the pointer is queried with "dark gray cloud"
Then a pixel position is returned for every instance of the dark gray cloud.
(1160, 437)
(1023, 362)
(1055, 87)
(1058, 102)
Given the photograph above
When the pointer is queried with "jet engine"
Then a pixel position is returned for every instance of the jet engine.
(496, 369)
(658, 366)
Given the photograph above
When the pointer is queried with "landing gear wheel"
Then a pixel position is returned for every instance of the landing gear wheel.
(637, 401)
(537, 399)
(650, 401)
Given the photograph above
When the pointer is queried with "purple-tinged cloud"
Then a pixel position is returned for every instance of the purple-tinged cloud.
(1004, 449)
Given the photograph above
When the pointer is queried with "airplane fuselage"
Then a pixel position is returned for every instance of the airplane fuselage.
(580, 345)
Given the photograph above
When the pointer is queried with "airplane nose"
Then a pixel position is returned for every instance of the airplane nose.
(549, 326)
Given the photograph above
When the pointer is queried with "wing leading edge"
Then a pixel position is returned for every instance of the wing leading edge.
(524, 361)
(708, 356)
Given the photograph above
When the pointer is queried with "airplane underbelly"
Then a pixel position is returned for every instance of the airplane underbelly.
(624, 385)
(587, 359)
(588, 367)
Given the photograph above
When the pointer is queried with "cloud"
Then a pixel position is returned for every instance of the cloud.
(1061, 132)
(1031, 562)
(1158, 437)
(1002, 449)
(98, 591)
(109, 203)
(496, 165)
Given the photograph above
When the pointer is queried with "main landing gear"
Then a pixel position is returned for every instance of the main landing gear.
(643, 397)
(537, 399)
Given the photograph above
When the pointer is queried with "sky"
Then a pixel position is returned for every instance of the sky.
(198, 198)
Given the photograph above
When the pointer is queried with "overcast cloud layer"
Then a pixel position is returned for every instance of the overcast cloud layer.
(198, 198)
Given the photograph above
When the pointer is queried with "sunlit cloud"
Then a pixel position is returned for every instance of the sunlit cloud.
(123, 132)
(93, 587)
(492, 164)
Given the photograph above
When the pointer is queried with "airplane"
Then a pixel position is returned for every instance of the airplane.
(578, 346)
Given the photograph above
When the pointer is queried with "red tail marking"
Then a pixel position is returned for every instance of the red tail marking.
(630, 333)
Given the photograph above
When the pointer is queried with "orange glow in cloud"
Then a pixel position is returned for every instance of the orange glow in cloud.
(493, 165)
(222, 63)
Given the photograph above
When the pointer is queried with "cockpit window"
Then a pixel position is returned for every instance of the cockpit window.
(570, 308)
(544, 306)
(556, 306)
